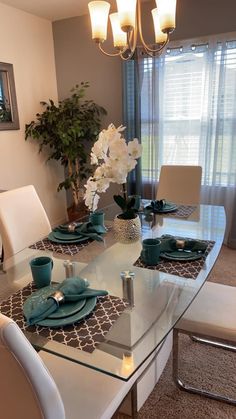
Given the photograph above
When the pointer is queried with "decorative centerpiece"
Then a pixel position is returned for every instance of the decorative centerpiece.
(114, 159)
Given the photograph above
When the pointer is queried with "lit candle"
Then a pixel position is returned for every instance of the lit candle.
(160, 37)
(99, 11)
(166, 10)
(127, 14)
(119, 36)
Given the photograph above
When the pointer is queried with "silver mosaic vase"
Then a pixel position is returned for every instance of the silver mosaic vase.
(127, 231)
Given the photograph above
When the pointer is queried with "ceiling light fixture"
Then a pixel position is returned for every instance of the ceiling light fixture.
(127, 25)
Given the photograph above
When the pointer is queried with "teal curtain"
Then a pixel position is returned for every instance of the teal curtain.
(132, 117)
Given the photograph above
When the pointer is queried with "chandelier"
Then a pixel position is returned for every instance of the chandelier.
(127, 26)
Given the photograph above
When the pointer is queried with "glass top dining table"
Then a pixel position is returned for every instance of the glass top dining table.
(160, 298)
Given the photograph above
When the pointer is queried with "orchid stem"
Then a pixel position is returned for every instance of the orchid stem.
(124, 191)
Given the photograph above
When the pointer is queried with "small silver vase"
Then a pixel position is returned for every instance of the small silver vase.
(127, 231)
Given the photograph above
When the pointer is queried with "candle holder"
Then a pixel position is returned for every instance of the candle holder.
(128, 286)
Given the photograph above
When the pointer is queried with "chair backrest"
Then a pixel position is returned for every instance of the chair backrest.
(27, 390)
(23, 219)
(180, 184)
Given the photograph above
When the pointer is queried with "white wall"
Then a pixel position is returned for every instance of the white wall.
(27, 43)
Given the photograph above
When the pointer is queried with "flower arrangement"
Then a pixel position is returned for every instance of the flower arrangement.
(114, 159)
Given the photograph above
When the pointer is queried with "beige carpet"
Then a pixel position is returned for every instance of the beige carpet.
(166, 401)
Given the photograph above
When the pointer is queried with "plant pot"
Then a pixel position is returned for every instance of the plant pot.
(127, 231)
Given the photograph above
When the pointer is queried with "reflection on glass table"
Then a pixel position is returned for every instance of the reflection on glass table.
(159, 298)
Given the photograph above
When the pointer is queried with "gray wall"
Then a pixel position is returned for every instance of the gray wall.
(196, 18)
(78, 59)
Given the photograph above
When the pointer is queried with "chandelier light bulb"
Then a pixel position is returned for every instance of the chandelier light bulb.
(160, 37)
(167, 11)
(119, 36)
(127, 14)
(99, 11)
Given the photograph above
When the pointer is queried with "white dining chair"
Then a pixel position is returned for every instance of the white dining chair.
(44, 386)
(210, 319)
(180, 184)
(23, 219)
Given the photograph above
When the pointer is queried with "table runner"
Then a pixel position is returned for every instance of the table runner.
(183, 268)
(66, 249)
(85, 335)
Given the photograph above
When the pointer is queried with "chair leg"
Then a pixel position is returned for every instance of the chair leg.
(180, 384)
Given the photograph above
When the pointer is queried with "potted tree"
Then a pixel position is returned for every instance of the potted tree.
(66, 130)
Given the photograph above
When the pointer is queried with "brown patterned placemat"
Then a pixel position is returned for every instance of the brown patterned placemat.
(84, 335)
(67, 249)
(183, 211)
(183, 268)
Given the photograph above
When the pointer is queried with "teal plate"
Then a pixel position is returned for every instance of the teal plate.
(65, 310)
(181, 256)
(168, 207)
(66, 236)
(75, 318)
(53, 239)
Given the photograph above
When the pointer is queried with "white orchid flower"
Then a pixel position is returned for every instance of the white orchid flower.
(134, 148)
(114, 159)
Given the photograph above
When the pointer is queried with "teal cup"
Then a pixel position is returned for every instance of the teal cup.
(150, 253)
(97, 218)
(137, 202)
(41, 268)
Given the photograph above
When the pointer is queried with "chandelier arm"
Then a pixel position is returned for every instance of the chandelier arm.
(132, 43)
(146, 47)
(152, 51)
(115, 54)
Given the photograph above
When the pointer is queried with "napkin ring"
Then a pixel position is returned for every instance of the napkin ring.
(58, 297)
(71, 227)
(180, 244)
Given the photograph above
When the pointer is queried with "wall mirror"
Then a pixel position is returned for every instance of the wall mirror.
(9, 118)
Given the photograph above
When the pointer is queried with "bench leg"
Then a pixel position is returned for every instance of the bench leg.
(213, 343)
(180, 384)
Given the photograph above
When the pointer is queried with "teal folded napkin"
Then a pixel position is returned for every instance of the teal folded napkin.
(156, 206)
(73, 289)
(86, 229)
(171, 244)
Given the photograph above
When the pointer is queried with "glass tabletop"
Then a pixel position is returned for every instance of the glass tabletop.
(159, 298)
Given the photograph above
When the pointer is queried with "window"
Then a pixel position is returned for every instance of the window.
(188, 110)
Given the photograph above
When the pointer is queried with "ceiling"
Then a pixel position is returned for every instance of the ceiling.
(51, 9)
